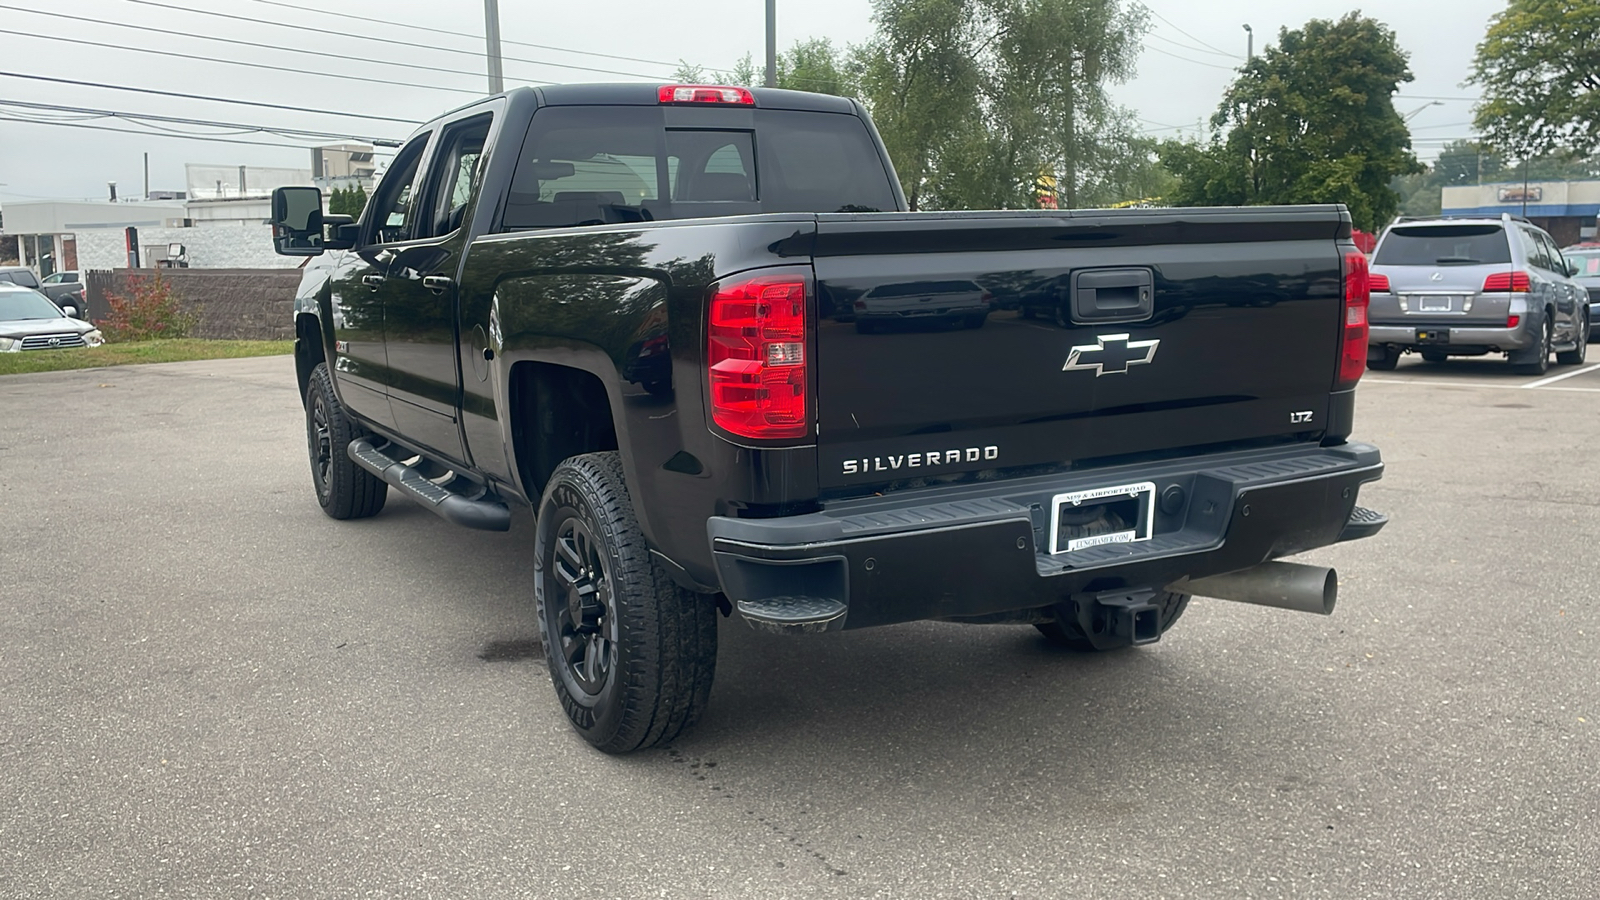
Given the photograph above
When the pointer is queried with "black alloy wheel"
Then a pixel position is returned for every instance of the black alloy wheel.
(585, 624)
(344, 489)
(631, 654)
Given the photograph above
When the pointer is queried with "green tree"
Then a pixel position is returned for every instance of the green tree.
(356, 199)
(1309, 121)
(1539, 67)
(978, 99)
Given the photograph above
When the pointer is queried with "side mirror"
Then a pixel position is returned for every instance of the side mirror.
(297, 221)
(70, 310)
(1573, 268)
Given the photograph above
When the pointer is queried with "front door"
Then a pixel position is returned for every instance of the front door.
(420, 311)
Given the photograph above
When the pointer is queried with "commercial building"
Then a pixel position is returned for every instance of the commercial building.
(1566, 209)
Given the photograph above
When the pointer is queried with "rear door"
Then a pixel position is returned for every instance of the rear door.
(1179, 331)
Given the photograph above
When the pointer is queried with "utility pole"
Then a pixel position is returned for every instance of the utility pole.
(1249, 43)
(147, 176)
(491, 33)
(772, 43)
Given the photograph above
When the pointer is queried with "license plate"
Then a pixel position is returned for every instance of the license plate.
(1426, 303)
(1433, 335)
(1121, 514)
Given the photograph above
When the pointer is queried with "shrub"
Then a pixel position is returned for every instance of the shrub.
(147, 310)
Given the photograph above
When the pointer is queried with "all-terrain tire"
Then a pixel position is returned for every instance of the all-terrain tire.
(631, 654)
(344, 489)
(1069, 636)
(1435, 356)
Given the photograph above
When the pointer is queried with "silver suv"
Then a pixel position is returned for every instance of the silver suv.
(1446, 287)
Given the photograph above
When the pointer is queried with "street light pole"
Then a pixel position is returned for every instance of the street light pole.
(491, 33)
(772, 43)
(1249, 43)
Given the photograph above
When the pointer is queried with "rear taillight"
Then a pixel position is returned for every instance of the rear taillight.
(1377, 284)
(1353, 351)
(704, 93)
(1507, 282)
(756, 354)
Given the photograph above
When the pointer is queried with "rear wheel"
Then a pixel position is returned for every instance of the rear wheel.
(1580, 350)
(976, 320)
(1435, 356)
(631, 653)
(1541, 361)
(1387, 362)
(344, 489)
(1070, 636)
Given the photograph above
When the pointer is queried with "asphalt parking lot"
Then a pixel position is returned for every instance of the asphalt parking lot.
(212, 690)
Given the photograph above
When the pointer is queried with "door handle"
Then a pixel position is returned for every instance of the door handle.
(372, 280)
(437, 283)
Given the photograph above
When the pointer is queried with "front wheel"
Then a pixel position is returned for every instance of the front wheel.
(344, 489)
(631, 654)
(1069, 635)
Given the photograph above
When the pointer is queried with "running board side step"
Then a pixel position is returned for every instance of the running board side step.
(454, 498)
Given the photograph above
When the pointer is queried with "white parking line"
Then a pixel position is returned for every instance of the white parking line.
(1482, 384)
(1555, 378)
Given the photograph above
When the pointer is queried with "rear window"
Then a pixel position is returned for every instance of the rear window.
(603, 165)
(1444, 245)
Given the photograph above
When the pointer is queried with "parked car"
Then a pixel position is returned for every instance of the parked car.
(29, 321)
(471, 341)
(1587, 259)
(65, 289)
(1469, 286)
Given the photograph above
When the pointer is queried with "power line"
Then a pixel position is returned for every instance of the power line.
(476, 37)
(184, 137)
(222, 40)
(144, 118)
(1190, 36)
(365, 37)
(1193, 49)
(239, 62)
(119, 87)
(1188, 60)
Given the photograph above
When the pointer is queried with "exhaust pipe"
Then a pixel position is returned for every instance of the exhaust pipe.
(1312, 589)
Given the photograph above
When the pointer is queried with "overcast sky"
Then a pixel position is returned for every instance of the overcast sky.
(1187, 62)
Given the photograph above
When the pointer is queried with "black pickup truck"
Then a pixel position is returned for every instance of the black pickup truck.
(695, 330)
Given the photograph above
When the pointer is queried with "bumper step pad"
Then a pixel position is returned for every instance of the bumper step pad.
(793, 615)
(1364, 523)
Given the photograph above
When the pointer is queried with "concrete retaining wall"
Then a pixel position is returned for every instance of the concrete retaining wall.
(211, 246)
(232, 304)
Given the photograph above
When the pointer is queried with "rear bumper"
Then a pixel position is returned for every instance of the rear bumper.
(979, 550)
(1460, 336)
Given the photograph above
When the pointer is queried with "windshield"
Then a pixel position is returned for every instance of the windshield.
(609, 164)
(26, 305)
(1444, 245)
(1587, 261)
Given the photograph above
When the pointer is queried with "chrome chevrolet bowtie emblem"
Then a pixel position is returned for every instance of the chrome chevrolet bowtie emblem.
(1111, 354)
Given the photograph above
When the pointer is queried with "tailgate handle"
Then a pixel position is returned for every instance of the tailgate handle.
(1113, 295)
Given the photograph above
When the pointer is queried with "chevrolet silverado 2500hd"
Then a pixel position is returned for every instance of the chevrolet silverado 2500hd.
(638, 310)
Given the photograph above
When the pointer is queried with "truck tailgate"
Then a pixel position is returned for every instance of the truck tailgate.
(1107, 334)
